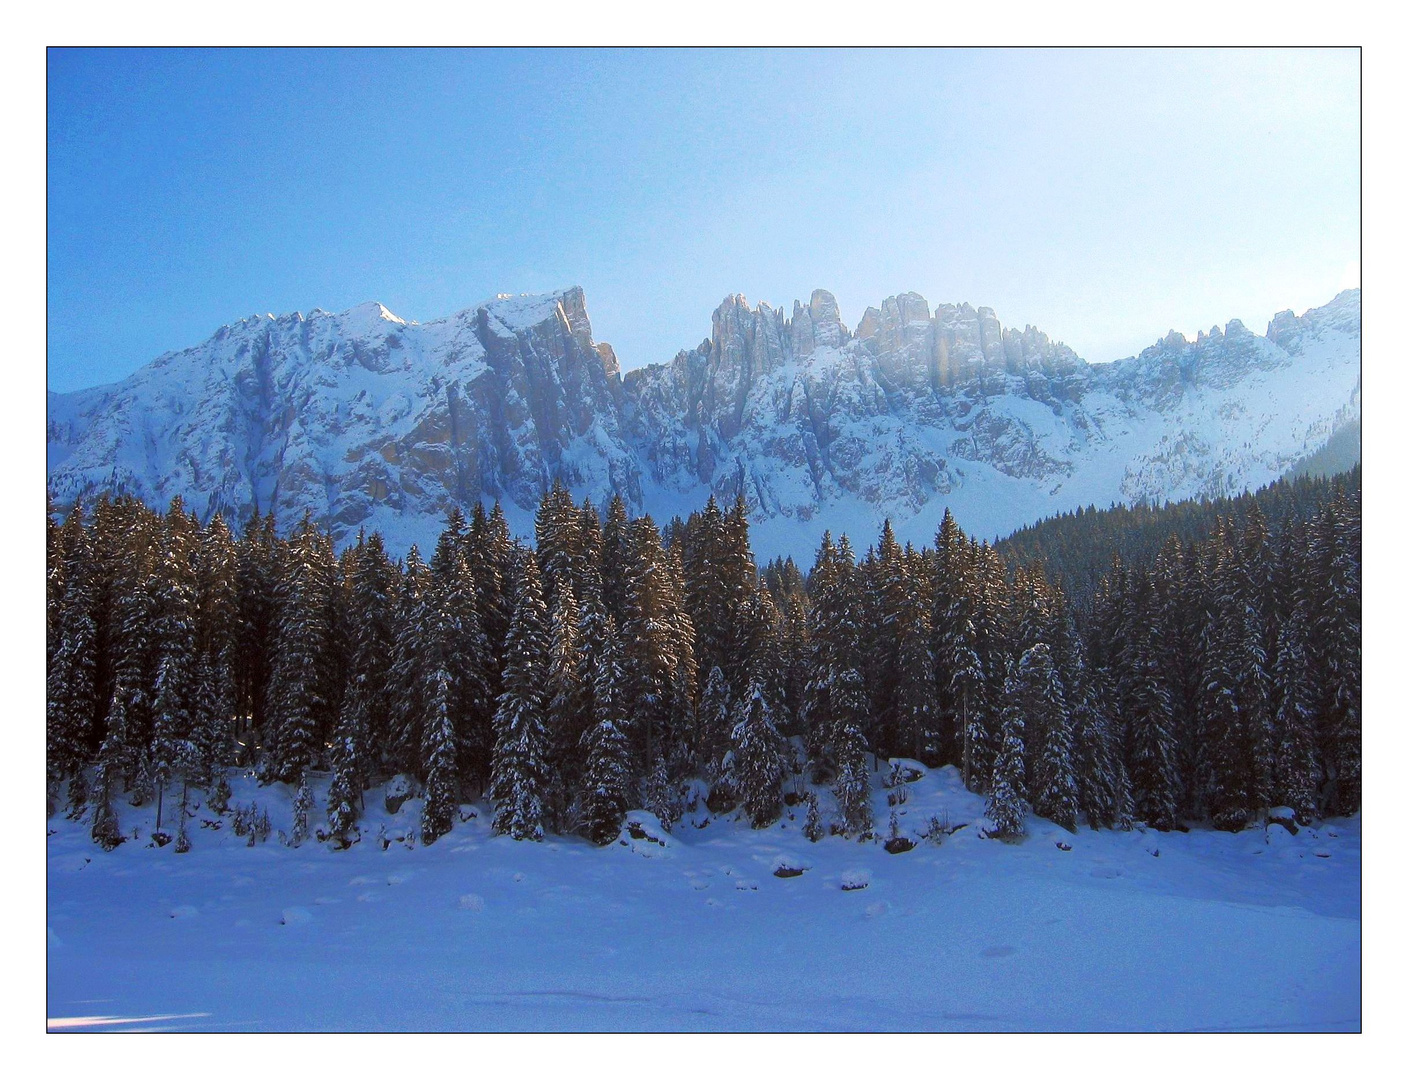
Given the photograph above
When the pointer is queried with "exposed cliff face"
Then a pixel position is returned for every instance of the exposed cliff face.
(368, 421)
(360, 418)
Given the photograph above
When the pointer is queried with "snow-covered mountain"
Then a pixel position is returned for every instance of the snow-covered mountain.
(367, 420)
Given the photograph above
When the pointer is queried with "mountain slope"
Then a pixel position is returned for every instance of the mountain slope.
(365, 420)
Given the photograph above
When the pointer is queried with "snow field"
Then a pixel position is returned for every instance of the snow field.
(1086, 931)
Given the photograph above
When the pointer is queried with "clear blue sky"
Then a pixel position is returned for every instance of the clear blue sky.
(1104, 196)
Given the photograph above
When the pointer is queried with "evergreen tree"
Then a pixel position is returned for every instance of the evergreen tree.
(363, 726)
(298, 692)
(407, 676)
(813, 828)
(757, 758)
(1296, 767)
(1041, 699)
(1005, 809)
(1153, 755)
(649, 641)
(519, 781)
(852, 786)
(302, 804)
(459, 641)
(606, 783)
(1102, 781)
(72, 683)
(256, 574)
(441, 767)
(106, 831)
(1336, 557)
(567, 715)
(490, 557)
(715, 712)
(916, 720)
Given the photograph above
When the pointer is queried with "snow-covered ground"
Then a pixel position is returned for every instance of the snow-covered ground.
(1092, 931)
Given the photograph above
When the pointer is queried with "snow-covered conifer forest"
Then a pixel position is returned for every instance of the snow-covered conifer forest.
(623, 777)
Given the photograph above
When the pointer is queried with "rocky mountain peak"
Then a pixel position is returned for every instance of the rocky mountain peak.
(368, 420)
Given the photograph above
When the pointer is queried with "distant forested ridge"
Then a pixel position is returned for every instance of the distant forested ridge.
(1077, 547)
(1198, 662)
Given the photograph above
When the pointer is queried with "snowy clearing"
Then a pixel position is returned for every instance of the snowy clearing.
(1086, 931)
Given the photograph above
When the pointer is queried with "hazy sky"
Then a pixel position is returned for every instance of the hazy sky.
(1104, 196)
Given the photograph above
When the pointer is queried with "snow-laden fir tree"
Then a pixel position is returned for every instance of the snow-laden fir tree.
(715, 727)
(1229, 732)
(657, 795)
(183, 840)
(302, 806)
(1006, 810)
(1102, 782)
(1151, 745)
(407, 678)
(297, 689)
(463, 645)
(916, 726)
(566, 702)
(813, 828)
(217, 643)
(835, 693)
(1335, 555)
(607, 780)
(852, 784)
(648, 640)
(590, 634)
(361, 731)
(1296, 769)
(441, 769)
(519, 782)
(1039, 695)
(758, 767)
(72, 686)
(218, 798)
(107, 833)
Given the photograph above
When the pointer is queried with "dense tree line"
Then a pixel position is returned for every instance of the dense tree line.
(610, 664)
(1076, 547)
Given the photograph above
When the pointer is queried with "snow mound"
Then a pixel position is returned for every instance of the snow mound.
(852, 880)
(789, 865)
(296, 916)
(643, 834)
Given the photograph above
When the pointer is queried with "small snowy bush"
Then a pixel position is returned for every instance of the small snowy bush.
(851, 880)
(813, 828)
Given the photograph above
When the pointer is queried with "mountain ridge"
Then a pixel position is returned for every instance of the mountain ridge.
(368, 420)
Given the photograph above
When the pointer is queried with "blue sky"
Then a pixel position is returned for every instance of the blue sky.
(1105, 196)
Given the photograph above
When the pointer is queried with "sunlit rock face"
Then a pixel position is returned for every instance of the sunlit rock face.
(364, 420)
